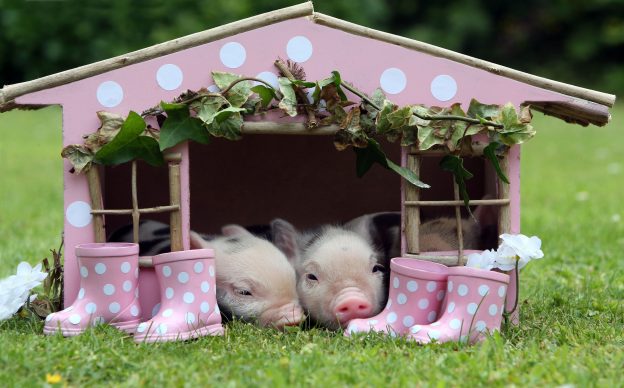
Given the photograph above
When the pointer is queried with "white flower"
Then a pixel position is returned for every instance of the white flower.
(484, 260)
(517, 247)
(14, 290)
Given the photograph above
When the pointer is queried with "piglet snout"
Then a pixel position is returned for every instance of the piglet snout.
(287, 315)
(351, 303)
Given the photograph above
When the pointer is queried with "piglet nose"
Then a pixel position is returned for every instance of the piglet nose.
(352, 308)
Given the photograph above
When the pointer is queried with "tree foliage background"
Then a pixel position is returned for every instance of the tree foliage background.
(573, 41)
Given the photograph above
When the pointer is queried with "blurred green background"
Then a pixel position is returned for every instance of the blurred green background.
(573, 41)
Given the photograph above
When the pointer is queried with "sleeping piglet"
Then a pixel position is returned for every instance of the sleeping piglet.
(339, 277)
(255, 281)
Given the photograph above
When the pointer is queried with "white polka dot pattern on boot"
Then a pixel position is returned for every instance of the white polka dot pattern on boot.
(501, 291)
(423, 304)
(134, 311)
(188, 297)
(125, 267)
(449, 286)
(415, 329)
(233, 55)
(81, 293)
(493, 310)
(161, 329)
(432, 316)
(391, 318)
(198, 267)
(434, 334)
(127, 286)
(472, 308)
(114, 307)
(462, 290)
(480, 326)
(97, 321)
(393, 80)
(169, 76)
(167, 313)
(109, 94)
(90, 308)
(75, 319)
(401, 298)
(84, 272)
(166, 271)
(190, 318)
(142, 326)
(431, 286)
(412, 286)
(483, 290)
(211, 271)
(443, 87)
(455, 324)
(49, 317)
(451, 307)
(183, 277)
(408, 321)
(395, 282)
(299, 49)
(100, 268)
(205, 287)
(169, 293)
(109, 289)
(204, 307)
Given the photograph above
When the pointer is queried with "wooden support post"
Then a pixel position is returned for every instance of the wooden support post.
(412, 213)
(135, 205)
(458, 219)
(95, 192)
(504, 218)
(175, 217)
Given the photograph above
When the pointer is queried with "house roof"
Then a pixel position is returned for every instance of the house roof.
(584, 107)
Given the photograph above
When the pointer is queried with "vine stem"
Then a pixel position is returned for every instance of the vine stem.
(423, 117)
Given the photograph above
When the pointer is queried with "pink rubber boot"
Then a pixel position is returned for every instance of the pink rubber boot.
(417, 289)
(108, 293)
(475, 304)
(188, 299)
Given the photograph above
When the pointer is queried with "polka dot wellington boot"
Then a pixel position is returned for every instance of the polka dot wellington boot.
(474, 306)
(109, 274)
(188, 299)
(417, 289)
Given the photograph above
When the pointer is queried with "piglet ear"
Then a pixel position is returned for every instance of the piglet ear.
(197, 241)
(285, 238)
(233, 230)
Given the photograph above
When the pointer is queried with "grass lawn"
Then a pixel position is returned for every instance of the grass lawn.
(572, 315)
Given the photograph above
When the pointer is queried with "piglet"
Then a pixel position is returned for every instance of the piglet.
(339, 276)
(255, 281)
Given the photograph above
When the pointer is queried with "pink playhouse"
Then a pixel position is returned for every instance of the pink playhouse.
(281, 168)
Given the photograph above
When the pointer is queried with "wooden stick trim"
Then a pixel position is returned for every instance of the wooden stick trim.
(446, 260)
(493, 202)
(157, 209)
(95, 193)
(272, 128)
(458, 219)
(570, 90)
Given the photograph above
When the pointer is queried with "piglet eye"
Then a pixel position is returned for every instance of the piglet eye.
(378, 268)
(311, 276)
(244, 292)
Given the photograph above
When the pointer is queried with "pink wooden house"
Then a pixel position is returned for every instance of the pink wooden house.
(280, 168)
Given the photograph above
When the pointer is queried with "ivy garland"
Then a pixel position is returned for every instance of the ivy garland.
(198, 115)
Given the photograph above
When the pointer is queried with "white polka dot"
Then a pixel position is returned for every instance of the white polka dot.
(213, 89)
(75, 319)
(472, 308)
(90, 308)
(84, 272)
(463, 338)
(483, 290)
(169, 77)
(110, 94)
(49, 317)
(436, 323)
(204, 307)
(501, 291)
(183, 277)
(443, 87)
(299, 49)
(412, 286)
(108, 289)
(134, 311)
(432, 316)
(449, 286)
(188, 297)
(211, 271)
(451, 307)
(391, 318)
(98, 321)
(372, 322)
(440, 295)
(480, 326)
(423, 303)
(415, 329)
(155, 309)
(455, 324)
(269, 77)
(401, 298)
(100, 268)
(395, 282)
(161, 329)
(167, 313)
(190, 318)
(216, 309)
(141, 328)
(81, 293)
(125, 267)
(389, 303)
(70, 308)
(169, 293)
(462, 290)
(205, 287)
(198, 267)
(233, 55)
(393, 80)
(114, 307)
(434, 334)
(127, 286)
(78, 214)
(166, 271)
(493, 309)
(431, 286)
(352, 329)
(408, 321)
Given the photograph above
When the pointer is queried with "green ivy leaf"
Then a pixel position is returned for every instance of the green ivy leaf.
(481, 111)
(79, 156)
(383, 123)
(303, 84)
(428, 136)
(146, 148)
(366, 157)
(266, 94)
(224, 114)
(228, 128)
(490, 153)
(238, 94)
(180, 126)
(416, 119)
(120, 150)
(338, 82)
(208, 107)
(400, 117)
(289, 102)
(455, 165)
(110, 125)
